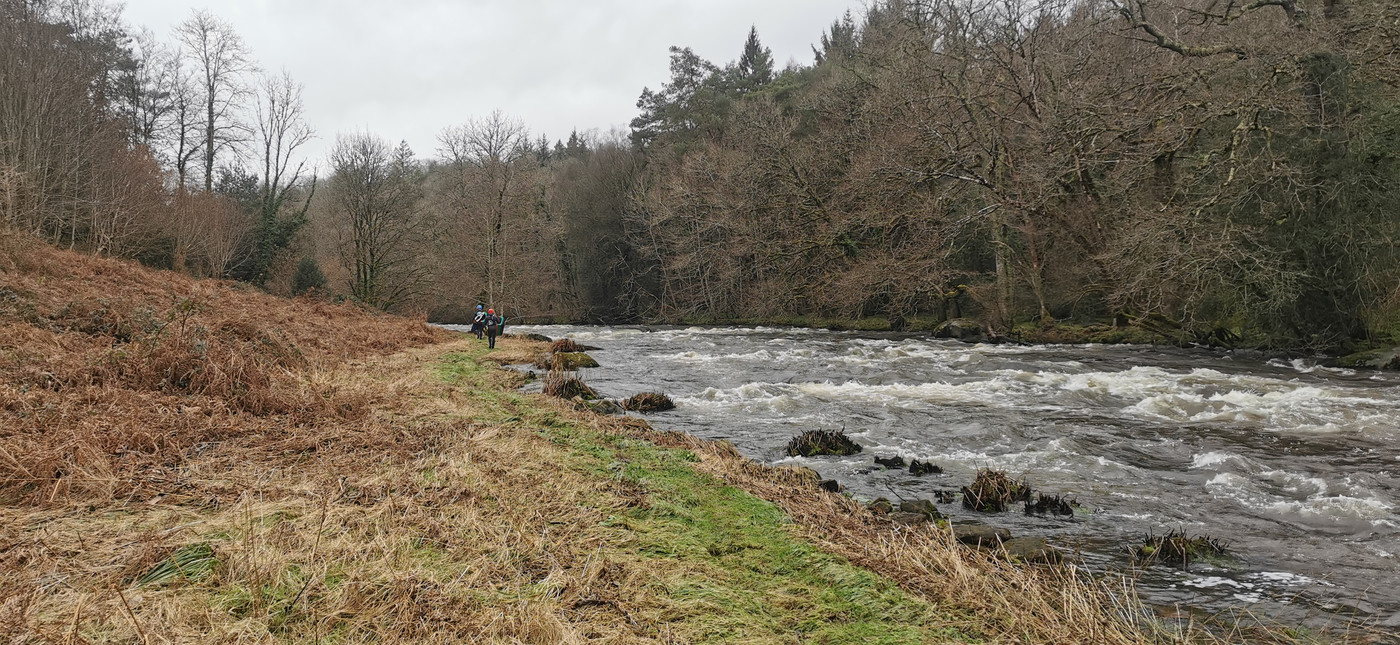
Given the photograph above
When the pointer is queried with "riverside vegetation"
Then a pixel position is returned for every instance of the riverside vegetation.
(193, 461)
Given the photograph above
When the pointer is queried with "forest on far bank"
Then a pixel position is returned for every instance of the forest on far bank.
(1228, 168)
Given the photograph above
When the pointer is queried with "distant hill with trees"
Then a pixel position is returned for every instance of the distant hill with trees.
(1225, 170)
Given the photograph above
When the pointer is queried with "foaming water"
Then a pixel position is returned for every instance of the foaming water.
(1293, 463)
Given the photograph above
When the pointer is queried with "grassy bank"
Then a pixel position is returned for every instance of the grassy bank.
(185, 461)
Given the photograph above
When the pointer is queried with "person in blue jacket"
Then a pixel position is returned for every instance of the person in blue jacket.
(479, 322)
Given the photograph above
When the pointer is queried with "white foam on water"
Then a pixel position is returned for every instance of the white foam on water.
(1211, 459)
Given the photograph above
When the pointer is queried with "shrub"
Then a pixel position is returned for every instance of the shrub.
(308, 277)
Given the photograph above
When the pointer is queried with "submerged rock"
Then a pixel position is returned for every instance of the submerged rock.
(891, 463)
(920, 468)
(980, 534)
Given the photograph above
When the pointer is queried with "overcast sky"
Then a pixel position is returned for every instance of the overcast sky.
(406, 69)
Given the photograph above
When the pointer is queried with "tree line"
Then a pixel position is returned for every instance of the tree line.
(1223, 168)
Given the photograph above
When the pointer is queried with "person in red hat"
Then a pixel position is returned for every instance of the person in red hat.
(494, 325)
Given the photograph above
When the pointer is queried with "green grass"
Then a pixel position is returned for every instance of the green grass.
(745, 576)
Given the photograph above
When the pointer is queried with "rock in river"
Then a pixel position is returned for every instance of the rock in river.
(980, 534)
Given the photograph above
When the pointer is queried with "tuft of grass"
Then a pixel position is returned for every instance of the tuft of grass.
(1179, 549)
(567, 386)
(566, 346)
(822, 442)
(993, 491)
(648, 402)
(190, 563)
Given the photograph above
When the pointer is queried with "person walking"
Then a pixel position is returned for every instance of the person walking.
(494, 324)
(479, 322)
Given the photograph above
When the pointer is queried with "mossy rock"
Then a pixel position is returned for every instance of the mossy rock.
(571, 361)
(881, 506)
(921, 506)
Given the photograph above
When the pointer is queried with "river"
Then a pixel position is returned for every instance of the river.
(1293, 464)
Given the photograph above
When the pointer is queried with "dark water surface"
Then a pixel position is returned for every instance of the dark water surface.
(1294, 465)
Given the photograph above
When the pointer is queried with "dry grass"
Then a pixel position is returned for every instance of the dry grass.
(248, 469)
(567, 385)
(566, 346)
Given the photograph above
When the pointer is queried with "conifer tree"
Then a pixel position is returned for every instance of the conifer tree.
(755, 65)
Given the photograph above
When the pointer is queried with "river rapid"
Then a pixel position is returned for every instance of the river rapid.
(1293, 464)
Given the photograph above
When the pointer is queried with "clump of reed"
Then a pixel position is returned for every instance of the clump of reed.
(993, 491)
(567, 386)
(1049, 504)
(648, 402)
(566, 346)
(822, 442)
(1179, 549)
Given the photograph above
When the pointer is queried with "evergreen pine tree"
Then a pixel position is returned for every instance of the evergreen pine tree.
(755, 65)
(308, 276)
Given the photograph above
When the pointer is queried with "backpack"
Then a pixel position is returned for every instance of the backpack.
(493, 324)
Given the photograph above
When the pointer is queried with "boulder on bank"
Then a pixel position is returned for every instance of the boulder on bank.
(902, 518)
(822, 442)
(980, 534)
(963, 329)
(881, 506)
(601, 406)
(1033, 550)
(830, 486)
(922, 507)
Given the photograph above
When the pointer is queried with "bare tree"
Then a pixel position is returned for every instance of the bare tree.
(378, 223)
(282, 131)
(221, 63)
(486, 155)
